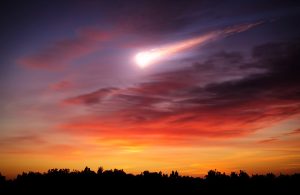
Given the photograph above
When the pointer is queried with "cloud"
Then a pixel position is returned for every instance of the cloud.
(95, 34)
(268, 140)
(61, 85)
(222, 97)
(91, 98)
(294, 132)
(59, 54)
(20, 144)
(22, 139)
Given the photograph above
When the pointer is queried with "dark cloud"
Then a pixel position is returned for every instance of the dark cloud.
(280, 81)
(268, 140)
(91, 98)
(294, 132)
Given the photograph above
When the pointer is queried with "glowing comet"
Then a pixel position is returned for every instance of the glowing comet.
(145, 58)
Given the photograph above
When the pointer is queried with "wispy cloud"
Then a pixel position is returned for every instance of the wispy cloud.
(294, 132)
(61, 53)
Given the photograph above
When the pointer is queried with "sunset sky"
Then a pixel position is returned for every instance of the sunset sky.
(223, 94)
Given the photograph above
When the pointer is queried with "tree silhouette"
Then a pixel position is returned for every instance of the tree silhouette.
(58, 181)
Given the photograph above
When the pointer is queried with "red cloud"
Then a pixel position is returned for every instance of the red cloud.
(191, 122)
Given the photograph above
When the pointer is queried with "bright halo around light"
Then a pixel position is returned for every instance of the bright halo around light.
(143, 59)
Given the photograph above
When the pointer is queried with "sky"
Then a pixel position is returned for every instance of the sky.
(224, 95)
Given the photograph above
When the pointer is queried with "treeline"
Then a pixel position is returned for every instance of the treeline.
(64, 181)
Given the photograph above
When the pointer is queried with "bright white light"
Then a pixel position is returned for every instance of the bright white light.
(145, 58)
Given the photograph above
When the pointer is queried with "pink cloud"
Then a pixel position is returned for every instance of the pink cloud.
(61, 85)
(96, 34)
(60, 53)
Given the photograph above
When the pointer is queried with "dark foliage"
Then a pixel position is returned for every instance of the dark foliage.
(64, 181)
